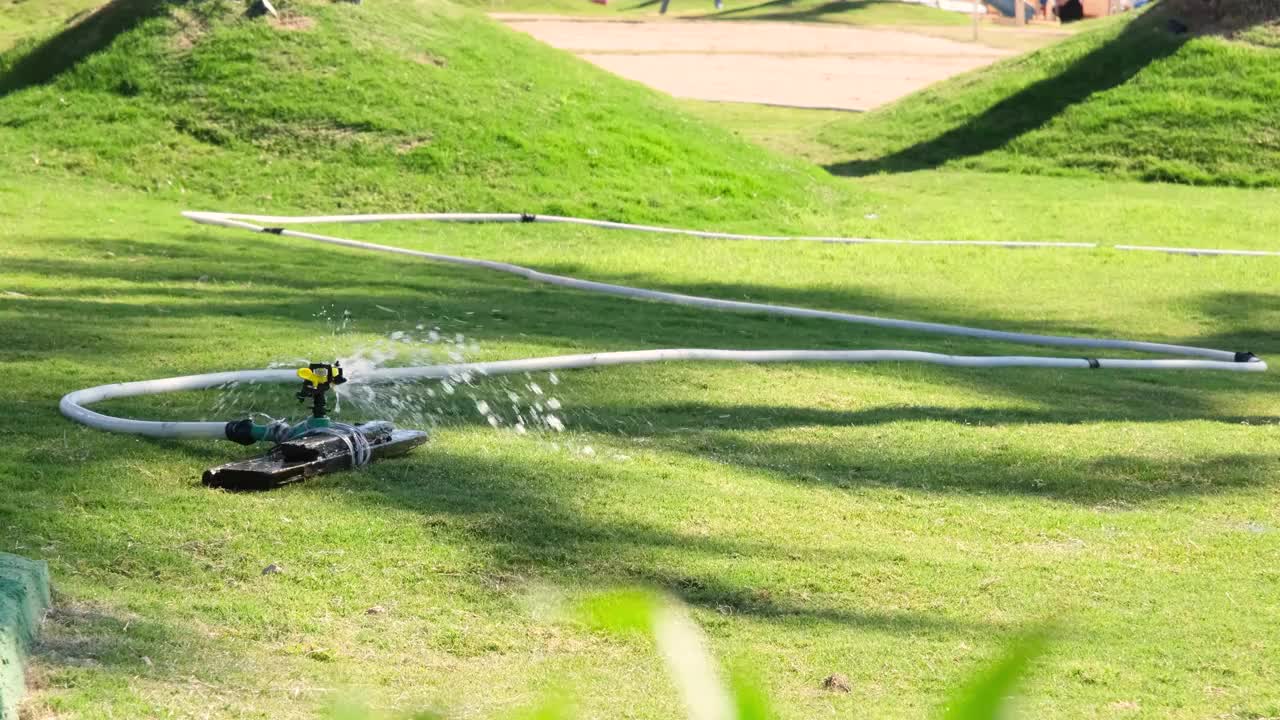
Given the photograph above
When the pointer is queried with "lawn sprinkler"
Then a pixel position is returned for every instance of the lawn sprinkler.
(313, 446)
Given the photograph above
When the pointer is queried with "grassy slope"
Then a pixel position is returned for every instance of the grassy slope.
(890, 523)
(408, 105)
(851, 12)
(1124, 100)
(20, 18)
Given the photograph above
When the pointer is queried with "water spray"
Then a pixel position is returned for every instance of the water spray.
(317, 445)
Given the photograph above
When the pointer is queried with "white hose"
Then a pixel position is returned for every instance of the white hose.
(213, 218)
(237, 221)
(1198, 251)
(72, 405)
(221, 218)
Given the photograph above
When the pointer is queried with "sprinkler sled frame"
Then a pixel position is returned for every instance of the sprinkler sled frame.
(311, 447)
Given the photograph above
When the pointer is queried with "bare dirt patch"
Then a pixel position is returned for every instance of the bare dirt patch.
(799, 64)
(191, 28)
(293, 23)
(426, 58)
(409, 146)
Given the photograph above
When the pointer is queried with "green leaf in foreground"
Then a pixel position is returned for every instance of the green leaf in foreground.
(749, 698)
(553, 706)
(621, 612)
(986, 695)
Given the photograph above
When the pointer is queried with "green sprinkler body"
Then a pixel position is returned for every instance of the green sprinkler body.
(313, 446)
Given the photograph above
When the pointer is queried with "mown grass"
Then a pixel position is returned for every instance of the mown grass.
(896, 524)
(1128, 99)
(797, 132)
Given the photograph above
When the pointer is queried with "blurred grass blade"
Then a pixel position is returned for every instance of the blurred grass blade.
(679, 640)
(986, 696)
(748, 695)
(554, 706)
(621, 611)
(690, 664)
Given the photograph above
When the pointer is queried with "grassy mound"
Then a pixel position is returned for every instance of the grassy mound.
(1129, 99)
(395, 104)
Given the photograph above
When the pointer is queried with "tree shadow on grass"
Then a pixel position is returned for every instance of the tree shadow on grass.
(83, 38)
(1125, 479)
(105, 638)
(785, 10)
(85, 643)
(107, 308)
(253, 282)
(106, 301)
(1143, 41)
(522, 515)
(712, 416)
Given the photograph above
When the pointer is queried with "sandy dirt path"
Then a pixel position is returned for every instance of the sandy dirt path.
(799, 64)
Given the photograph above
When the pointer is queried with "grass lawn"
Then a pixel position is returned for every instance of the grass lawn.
(896, 524)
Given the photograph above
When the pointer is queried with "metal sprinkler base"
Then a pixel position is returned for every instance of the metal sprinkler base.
(309, 455)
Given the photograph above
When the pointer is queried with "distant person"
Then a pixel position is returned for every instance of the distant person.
(1070, 11)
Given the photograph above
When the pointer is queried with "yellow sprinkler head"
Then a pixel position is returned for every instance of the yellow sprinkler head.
(314, 377)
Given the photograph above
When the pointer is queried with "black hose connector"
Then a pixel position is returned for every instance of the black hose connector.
(1246, 357)
(274, 231)
(241, 431)
(528, 217)
(1093, 363)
